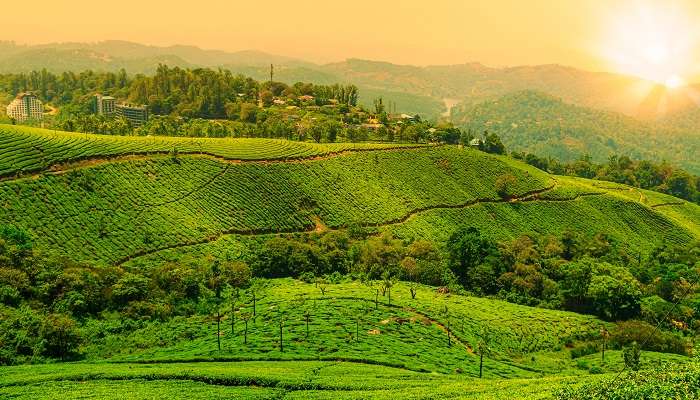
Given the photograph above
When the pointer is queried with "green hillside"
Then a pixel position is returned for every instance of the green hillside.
(27, 150)
(179, 266)
(131, 206)
(537, 123)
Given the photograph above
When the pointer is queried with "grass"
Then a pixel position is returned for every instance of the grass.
(130, 208)
(259, 380)
(408, 333)
(28, 150)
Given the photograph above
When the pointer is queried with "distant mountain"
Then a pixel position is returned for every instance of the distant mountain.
(545, 125)
(136, 58)
(474, 83)
(423, 90)
(80, 59)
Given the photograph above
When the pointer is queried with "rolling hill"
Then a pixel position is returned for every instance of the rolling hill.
(116, 207)
(541, 124)
(163, 194)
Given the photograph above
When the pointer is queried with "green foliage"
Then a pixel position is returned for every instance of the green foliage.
(628, 332)
(631, 356)
(661, 177)
(668, 381)
(538, 123)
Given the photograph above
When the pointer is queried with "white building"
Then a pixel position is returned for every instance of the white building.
(25, 106)
(105, 104)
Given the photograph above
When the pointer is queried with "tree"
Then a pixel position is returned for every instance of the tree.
(614, 292)
(467, 248)
(245, 316)
(410, 270)
(387, 284)
(322, 285)
(604, 334)
(307, 319)
(266, 97)
(483, 348)
(631, 356)
(130, 287)
(216, 283)
(446, 313)
(492, 144)
(680, 184)
(60, 335)
(505, 185)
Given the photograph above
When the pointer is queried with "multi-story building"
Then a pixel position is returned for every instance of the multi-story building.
(25, 106)
(105, 105)
(136, 115)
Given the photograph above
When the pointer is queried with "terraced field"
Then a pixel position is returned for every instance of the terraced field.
(29, 150)
(135, 202)
(115, 211)
(347, 324)
(355, 349)
(263, 380)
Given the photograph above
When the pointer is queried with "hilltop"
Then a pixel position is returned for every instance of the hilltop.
(542, 124)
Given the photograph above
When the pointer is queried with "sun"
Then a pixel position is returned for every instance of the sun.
(650, 40)
(674, 82)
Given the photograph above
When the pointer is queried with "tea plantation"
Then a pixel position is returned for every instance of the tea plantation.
(170, 206)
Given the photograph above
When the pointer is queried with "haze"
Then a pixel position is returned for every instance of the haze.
(497, 32)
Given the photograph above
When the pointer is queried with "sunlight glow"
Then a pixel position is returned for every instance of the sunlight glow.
(653, 41)
(674, 82)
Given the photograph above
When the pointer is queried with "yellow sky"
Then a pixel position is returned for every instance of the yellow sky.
(422, 32)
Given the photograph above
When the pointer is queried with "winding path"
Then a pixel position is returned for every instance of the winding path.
(76, 163)
(525, 197)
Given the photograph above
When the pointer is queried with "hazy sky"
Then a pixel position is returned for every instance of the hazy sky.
(495, 32)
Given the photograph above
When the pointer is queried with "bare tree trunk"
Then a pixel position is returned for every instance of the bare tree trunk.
(449, 340)
(218, 328)
(281, 343)
(481, 363)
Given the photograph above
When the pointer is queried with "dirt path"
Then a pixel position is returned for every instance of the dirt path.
(62, 167)
(530, 196)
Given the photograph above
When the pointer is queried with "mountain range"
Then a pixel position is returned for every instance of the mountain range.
(430, 90)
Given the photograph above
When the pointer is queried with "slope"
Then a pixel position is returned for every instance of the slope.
(541, 124)
(116, 209)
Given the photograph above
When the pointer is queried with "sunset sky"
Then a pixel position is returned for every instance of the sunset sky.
(611, 35)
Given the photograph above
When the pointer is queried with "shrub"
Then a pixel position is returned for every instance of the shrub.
(649, 338)
(505, 185)
(130, 287)
(60, 336)
(584, 350)
(595, 370)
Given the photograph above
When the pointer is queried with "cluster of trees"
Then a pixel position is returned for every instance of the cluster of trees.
(573, 272)
(44, 299)
(661, 177)
(189, 93)
(67, 87)
(584, 274)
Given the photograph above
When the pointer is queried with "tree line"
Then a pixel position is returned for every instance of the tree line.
(660, 177)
